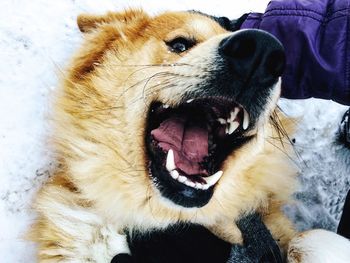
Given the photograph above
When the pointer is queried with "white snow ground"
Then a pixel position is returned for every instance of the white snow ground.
(36, 38)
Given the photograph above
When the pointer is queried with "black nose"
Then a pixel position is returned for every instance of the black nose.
(253, 54)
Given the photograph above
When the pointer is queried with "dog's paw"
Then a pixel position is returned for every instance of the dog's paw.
(319, 246)
(98, 244)
(108, 243)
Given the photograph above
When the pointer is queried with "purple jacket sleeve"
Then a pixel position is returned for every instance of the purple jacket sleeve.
(316, 37)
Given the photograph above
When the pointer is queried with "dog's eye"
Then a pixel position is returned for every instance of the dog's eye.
(180, 44)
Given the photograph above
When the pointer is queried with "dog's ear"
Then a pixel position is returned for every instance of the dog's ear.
(88, 22)
(102, 34)
(231, 25)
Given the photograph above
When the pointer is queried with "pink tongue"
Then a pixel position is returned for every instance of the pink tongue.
(189, 143)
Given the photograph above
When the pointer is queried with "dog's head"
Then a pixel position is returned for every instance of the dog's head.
(169, 112)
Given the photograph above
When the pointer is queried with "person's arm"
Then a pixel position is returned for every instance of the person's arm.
(316, 37)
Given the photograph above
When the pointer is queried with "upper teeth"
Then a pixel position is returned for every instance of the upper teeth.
(245, 119)
(231, 123)
(222, 121)
(232, 127)
(209, 181)
(233, 114)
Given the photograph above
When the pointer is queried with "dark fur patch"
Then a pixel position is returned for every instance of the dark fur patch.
(186, 243)
(192, 243)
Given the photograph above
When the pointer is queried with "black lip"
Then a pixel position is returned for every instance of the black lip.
(169, 188)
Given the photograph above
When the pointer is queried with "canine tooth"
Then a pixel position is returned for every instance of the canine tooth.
(245, 119)
(213, 179)
(190, 183)
(222, 121)
(170, 161)
(205, 186)
(189, 101)
(233, 126)
(174, 174)
(233, 114)
(182, 179)
(165, 106)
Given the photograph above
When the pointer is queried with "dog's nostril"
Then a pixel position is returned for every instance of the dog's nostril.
(275, 63)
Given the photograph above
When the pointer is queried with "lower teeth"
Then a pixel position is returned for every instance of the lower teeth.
(171, 168)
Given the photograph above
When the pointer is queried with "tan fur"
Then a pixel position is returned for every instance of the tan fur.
(99, 116)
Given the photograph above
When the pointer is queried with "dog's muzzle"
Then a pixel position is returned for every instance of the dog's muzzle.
(188, 143)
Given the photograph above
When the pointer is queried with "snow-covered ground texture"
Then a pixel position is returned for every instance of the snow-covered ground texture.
(36, 39)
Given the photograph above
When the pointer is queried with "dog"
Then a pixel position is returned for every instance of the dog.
(164, 120)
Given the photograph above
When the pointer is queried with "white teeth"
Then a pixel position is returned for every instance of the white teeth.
(165, 106)
(232, 127)
(245, 119)
(233, 114)
(222, 121)
(213, 179)
(174, 174)
(208, 181)
(205, 186)
(182, 179)
(190, 183)
(199, 186)
(189, 101)
(170, 161)
(231, 124)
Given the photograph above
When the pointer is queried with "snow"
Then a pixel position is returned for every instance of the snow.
(37, 37)
(324, 164)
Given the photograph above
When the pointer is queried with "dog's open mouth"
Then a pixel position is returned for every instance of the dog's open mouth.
(188, 144)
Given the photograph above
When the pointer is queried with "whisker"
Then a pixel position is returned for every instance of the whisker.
(282, 149)
(155, 75)
(282, 134)
(147, 79)
(153, 65)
